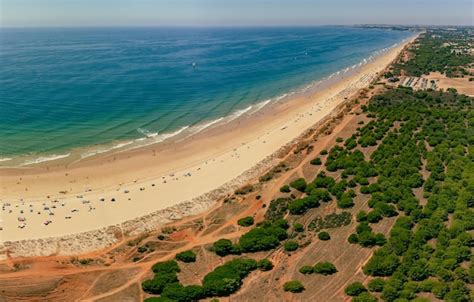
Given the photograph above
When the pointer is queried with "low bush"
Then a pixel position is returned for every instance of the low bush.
(345, 201)
(361, 216)
(376, 285)
(159, 282)
(353, 238)
(306, 269)
(178, 292)
(244, 190)
(355, 289)
(265, 237)
(298, 227)
(224, 247)
(186, 256)
(374, 216)
(291, 245)
(365, 297)
(170, 266)
(277, 209)
(330, 221)
(246, 221)
(165, 273)
(299, 184)
(293, 286)
(324, 236)
(227, 278)
(285, 189)
(324, 268)
(302, 205)
(265, 265)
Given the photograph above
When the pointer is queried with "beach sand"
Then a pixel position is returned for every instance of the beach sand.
(101, 199)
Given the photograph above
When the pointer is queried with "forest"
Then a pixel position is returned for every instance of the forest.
(446, 51)
(420, 173)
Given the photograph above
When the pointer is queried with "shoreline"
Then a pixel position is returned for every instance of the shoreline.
(76, 155)
(285, 125)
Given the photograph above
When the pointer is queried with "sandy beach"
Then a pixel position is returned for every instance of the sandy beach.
(165, 181)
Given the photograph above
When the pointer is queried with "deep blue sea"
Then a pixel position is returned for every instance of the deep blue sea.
(62, 89)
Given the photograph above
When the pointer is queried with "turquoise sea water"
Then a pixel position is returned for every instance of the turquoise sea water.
(62, 89)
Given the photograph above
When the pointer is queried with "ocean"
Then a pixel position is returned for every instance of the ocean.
(101, 89)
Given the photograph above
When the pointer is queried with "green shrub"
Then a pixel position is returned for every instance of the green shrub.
(324, 236)
(277, 209)
(365, 190)
(317, 161)
(374, 216)
(285, 189)
(325, 268)
(299, 184)
(355, 289)
(339, 140)
(380, 239)
(323, 152)
(381, 264)
(291, 245)
(223, 247)
(306, 269)
(353, 238)
(265, 237)
(319, 194)
(345, 202)
(165, 274)
(376, 285)
(186, 256)
(265, 265)
(227, 278)
(362, 181)
(170, 266)
(364, 297)
(293, 286)
(298, 227)
(297, 207)
(330, 221)
(361, 216)
(246, 221)
(159, 282)
(178, 292)
(366, 239)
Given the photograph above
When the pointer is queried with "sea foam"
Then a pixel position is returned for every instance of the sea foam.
(41, 159)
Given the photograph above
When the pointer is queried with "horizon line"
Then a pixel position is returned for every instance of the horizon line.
(231, 25)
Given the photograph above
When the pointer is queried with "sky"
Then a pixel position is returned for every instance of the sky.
(27, 13)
